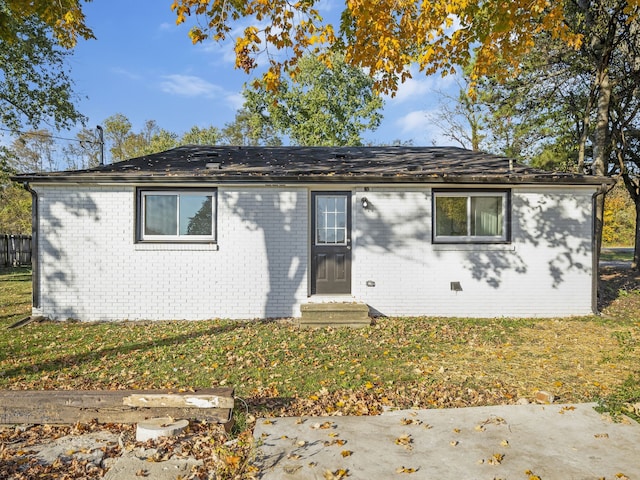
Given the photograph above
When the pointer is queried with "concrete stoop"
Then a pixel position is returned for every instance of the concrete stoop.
(334, 314)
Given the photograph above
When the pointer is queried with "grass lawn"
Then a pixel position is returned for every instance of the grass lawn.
(620, 254)
(278, 369)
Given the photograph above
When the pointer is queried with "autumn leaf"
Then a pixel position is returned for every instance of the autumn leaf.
(336, 474)
(232, 461)
(346, 453)
(405, 470)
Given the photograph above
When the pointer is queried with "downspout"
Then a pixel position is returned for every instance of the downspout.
(595, 267)
(35, 250)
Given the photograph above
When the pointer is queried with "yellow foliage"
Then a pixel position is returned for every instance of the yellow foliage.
(387, 36)
(619, 218)
(64, 17)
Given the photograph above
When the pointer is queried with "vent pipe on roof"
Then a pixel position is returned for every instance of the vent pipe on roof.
(101, 143)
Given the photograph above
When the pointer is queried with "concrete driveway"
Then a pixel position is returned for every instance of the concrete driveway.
(508, 442)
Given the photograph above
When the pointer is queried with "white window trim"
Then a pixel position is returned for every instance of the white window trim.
(141, 206)
(468, 194)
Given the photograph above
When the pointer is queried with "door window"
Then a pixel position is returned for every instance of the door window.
(331, 220)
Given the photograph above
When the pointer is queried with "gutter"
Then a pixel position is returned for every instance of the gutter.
(262, 178)
(35, 250)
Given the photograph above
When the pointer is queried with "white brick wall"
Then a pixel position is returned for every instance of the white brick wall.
(92, 269)
(545, 271)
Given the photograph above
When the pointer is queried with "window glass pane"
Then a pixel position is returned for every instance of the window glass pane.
(196, 215)
(341, 220)
(486, 216)
(331, 236)
(322, 205)
(340, 235)
(341, 204)
(321, 236)
(160, 215)
(451, 216)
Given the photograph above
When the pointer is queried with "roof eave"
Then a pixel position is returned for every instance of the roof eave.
(509, 179)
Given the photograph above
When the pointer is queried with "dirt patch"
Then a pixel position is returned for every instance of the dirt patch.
(617, 287)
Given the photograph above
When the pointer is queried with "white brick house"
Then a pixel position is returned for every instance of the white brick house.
(228, 232)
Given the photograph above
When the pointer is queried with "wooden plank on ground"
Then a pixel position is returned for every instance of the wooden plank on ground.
(194, 400)
(105, 406)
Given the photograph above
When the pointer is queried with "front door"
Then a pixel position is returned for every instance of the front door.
(331, 243)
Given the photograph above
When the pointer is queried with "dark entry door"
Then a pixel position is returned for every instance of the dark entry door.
(331, 243)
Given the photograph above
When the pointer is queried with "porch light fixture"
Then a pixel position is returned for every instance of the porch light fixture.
(365, 203)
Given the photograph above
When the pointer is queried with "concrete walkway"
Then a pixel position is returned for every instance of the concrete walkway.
(509, 442)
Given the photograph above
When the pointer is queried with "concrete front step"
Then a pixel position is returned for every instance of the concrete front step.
(347, 314)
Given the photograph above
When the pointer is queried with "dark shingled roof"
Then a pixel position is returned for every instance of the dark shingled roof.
(198, 163)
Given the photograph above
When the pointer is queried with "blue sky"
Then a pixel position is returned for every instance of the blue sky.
(144, 66)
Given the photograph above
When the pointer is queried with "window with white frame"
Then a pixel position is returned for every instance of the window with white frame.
(470, 217)
(185, 215)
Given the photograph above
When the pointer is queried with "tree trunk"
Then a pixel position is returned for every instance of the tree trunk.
(601, 148)
(633, 187)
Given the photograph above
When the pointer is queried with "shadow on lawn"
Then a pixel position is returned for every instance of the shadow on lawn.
(106, 353)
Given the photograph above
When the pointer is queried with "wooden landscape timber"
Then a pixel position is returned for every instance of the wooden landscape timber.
(55, 407)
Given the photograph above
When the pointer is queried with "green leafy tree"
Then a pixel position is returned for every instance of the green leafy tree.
(202, 136)
(319, 104)
(35, 84)
(249, 129)
(117, 128)
(15, 201)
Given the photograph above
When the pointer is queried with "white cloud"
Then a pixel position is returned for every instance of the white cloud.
(189, 86)
(420, 86)
(236, 100)
(416, 121)
(419, 125)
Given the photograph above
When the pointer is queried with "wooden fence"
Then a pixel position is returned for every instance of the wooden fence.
(15, 250)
